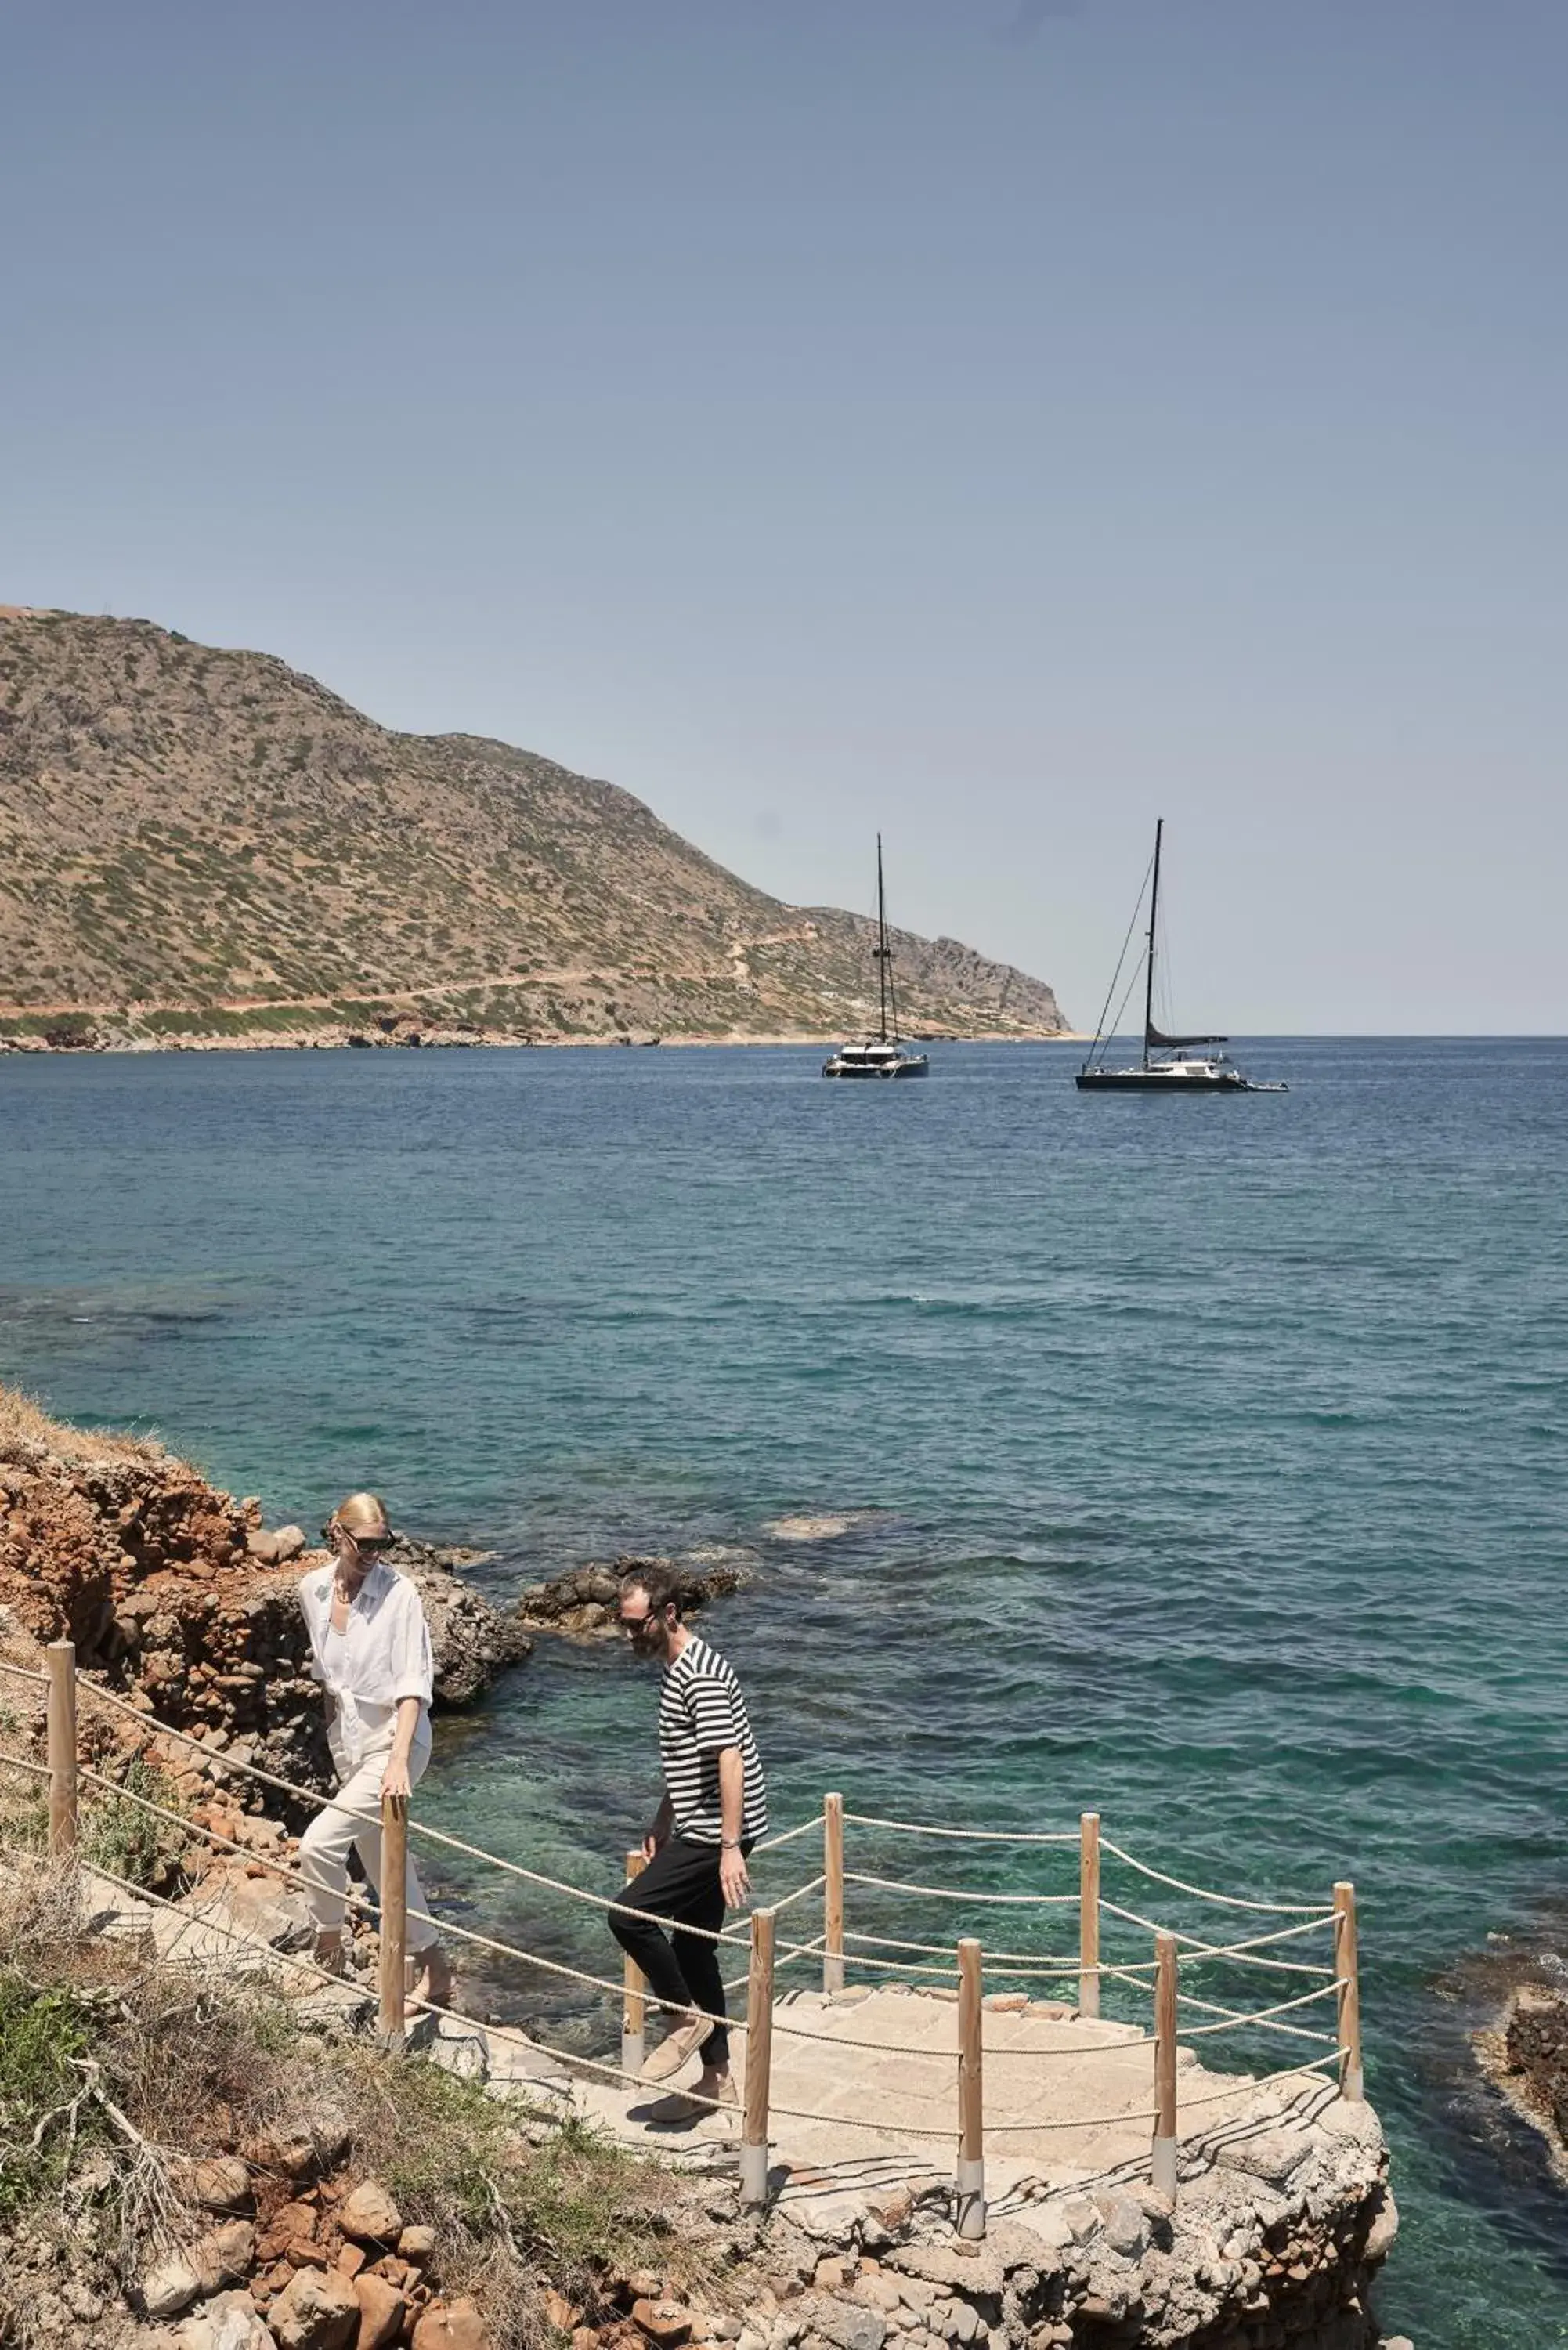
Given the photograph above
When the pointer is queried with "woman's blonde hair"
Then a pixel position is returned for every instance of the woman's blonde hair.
(359, 1514)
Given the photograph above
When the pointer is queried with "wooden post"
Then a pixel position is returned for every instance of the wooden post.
(971, 2214)
(394, 1914)
(833, 1893)
(1089, 1913)
(1165, 2066)
(60, 1658)
(759, 2059)
(1347, 1973)
(633, 2006)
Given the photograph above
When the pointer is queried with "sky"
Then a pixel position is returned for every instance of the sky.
(996, 421)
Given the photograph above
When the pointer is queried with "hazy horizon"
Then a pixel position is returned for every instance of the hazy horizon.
(994, 424)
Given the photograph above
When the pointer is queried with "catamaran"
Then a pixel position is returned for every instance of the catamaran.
(1170, 1064)
(881, 1056)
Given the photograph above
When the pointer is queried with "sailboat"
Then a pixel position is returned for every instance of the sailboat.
(881, 1056)
(1170, 1064)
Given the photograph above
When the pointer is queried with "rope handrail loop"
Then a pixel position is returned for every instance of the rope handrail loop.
(954, 1893)
(1199, 1893)
(801, 1893)
(966, 1836)
(1262, 2019)
(21, 1673)
(1037, 1961)
(786, 1835)
(1246, 2085)
(1196, 1951)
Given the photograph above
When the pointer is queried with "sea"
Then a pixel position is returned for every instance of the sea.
(1200, 1462)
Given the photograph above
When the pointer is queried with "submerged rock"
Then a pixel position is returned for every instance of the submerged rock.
(585, 1604)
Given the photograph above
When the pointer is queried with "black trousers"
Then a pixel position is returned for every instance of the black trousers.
(681, 1883)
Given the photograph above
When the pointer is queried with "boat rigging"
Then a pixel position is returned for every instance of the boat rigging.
(1169, 1064)
(882, 1055)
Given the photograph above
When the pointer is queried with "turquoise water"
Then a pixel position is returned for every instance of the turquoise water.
(1204, 1461)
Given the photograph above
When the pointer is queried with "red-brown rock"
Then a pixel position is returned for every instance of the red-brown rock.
(381, 2313)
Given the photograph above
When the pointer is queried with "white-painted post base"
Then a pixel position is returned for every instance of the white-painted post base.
(633, 2049)
(754, 2174)
(1354, 2086)
(832, 1976)
(1088, 1994)
(970, 2219)
(1164, 2167)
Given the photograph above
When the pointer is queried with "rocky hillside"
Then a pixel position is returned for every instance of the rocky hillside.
(201, 846)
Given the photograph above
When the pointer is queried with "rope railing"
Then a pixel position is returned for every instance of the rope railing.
(958, 1893)
(839, 1946)
(1200, 1893)
(21, 1673)
(966, 1836)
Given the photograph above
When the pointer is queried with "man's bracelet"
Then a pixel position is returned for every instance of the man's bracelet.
(729, 1843)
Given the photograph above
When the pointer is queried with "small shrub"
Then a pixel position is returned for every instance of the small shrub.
(43, 2044)
(119, 1836)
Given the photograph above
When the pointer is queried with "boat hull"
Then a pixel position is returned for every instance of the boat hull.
(1156, 1081)
(917, 1067)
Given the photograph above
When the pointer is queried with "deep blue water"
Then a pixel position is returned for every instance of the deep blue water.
(1205, 1459)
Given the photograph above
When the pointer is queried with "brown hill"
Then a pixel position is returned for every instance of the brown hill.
(199, 846)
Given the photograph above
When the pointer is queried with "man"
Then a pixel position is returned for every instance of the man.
(713, 1809)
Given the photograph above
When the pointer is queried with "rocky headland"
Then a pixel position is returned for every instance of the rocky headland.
(203, 848)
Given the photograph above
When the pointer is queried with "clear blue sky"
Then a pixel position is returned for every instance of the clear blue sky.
(1000, 422)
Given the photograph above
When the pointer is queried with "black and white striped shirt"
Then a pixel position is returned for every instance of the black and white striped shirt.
(701, 1711)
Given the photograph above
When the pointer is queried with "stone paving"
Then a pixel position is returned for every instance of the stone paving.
(1092, 2080)
(885, 2055)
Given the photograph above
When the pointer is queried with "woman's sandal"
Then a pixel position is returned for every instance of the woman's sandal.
(430, 1981)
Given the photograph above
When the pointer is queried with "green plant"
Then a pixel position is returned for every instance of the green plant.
(43, 2072)
(119, 1835)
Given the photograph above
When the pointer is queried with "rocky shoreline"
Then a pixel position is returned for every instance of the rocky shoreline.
(406, 1031)
(180, 1602)
(1525, 2056)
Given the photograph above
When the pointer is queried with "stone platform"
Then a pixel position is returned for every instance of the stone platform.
(1281, 2218)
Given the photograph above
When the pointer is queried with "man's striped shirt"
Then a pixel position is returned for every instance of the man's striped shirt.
(701, 1711)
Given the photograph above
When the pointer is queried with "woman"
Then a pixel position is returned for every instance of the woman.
(371, 1648)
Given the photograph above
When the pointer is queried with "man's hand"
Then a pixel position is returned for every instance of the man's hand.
(652, 1842)
(734, 1882)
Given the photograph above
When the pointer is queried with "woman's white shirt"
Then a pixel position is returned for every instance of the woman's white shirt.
(383, 1655)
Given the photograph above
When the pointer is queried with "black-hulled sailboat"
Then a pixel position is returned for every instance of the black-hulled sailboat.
(1170, 1064)
(881, 1056)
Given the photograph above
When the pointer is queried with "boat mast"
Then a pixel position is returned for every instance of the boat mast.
(1153, 916)
(881, 945)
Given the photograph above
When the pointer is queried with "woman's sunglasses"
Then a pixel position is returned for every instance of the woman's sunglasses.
(366, 1544)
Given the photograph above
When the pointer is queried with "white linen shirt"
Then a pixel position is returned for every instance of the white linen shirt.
(384, 1655)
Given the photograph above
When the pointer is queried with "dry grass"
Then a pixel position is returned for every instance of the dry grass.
(118, 2067)
(28, 1434)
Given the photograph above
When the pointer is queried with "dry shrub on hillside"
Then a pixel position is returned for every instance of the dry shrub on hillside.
(29, 1435)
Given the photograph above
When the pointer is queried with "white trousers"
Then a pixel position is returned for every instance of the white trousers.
(355, 1818)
